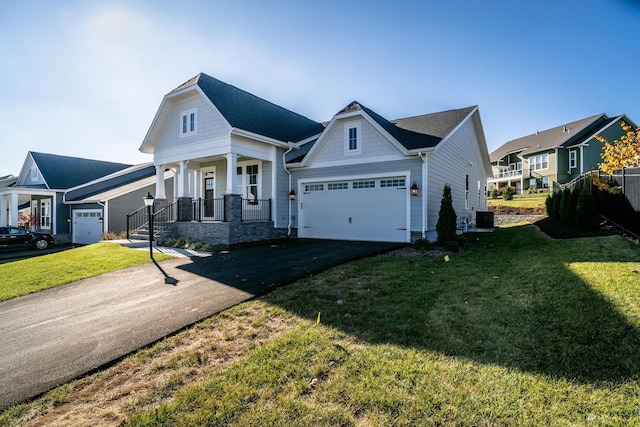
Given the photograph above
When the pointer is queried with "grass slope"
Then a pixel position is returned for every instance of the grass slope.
(518, 330)
(35, 274)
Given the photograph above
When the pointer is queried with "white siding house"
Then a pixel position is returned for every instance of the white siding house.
(246, 169)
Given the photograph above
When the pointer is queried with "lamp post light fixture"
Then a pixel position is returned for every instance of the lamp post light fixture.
(148, 202)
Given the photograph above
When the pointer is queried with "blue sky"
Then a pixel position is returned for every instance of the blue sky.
(85, 78)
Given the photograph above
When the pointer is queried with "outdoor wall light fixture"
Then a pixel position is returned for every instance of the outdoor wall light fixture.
(69, 220)
(414, 189)
(100, 220)
(292, 195)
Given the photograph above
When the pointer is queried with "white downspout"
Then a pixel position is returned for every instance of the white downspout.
(425, 217)
(284, 166)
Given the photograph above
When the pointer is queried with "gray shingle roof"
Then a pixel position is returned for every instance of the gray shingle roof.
(563, 135)
(425, 131)
(416, 132)
(246, 111)
(62, 172)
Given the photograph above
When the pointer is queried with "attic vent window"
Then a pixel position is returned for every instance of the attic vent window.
(34, 174)
(188, 123)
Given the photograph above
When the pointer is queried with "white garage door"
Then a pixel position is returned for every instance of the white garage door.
(363, 209)
(87, 227)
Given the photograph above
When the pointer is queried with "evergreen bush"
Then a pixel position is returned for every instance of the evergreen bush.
(573, 205)
(508, 193)
(548, 205)
(564, 204)
(446, 225)
(587, 214)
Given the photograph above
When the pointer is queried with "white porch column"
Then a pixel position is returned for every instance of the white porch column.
(13, 210)
(232, 176)
(4, 207)
(160, 193)
(581, 159)
(183, 180)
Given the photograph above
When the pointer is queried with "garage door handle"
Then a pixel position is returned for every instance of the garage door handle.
(404, 229)
(307, 226)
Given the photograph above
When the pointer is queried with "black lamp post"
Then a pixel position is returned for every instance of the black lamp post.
(148, 202)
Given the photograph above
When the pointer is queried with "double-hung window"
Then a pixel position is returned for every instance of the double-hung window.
(188, 123)
(249, 181)
(352, 139)
(573, 159)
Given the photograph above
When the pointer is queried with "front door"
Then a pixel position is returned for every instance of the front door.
(209, 187)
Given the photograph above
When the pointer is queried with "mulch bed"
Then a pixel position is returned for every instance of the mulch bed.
(558, 229)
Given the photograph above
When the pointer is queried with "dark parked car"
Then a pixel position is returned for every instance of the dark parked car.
(14, 237)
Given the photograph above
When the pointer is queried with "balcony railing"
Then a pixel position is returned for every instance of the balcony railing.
(508, 174)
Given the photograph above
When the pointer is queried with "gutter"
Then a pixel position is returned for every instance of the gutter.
(284, 166)
(425, 217)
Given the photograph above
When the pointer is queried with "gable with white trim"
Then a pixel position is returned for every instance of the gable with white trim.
(332, 148)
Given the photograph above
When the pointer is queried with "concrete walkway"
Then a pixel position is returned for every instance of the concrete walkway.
(53, 336)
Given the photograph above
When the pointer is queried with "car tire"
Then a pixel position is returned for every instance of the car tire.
(41, 244)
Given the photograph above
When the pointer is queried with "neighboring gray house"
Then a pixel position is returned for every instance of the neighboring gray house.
(246, 169)
(72, 198)
(556, 155)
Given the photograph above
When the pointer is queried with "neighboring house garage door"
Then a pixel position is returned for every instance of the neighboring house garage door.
(87, 227)
(373, 209)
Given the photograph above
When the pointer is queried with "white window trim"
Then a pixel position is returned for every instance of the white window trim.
(244, 178)
(188, 114)
(531, 163)
(358, 150)
(573, 162)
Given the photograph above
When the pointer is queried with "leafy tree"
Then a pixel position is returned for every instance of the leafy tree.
(446, 225)
(623, 153)
(587, 214)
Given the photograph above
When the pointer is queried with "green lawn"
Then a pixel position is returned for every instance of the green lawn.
(535, 200)
(518, 330)
(47, 271)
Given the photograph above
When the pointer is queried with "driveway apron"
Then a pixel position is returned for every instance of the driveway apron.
(50, 337)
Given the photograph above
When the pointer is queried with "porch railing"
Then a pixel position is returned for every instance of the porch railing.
(208, 210)
(256, 210)
(201, 210)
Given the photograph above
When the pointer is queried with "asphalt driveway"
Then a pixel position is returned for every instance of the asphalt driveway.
(52, 336)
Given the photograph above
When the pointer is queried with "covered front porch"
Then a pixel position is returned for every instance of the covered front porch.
(224, 199)
(28, 208)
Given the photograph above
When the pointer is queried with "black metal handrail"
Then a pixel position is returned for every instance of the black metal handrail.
(256, 209)
(165, 217)
(137, 220)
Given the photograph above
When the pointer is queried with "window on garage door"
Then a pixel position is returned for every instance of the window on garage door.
(363, 184)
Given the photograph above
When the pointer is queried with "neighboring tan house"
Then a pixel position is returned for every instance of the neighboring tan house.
(558, 155)
(74, 199)
(246, 169)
